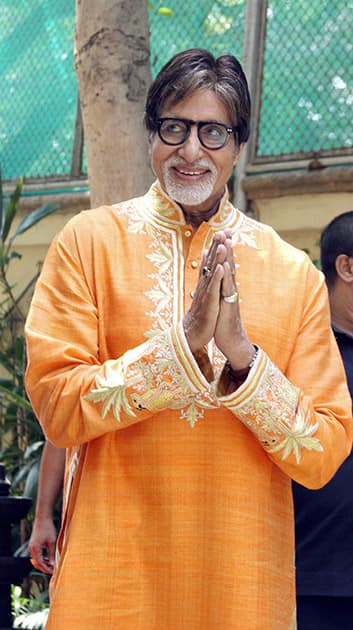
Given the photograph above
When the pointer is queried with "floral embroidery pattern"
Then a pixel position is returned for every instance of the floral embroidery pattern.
(152, 381)
(136, 220)
(111, 389)
(274, 415)
(245, 232)
(141, 220)
(300, 436)
(193, 411)
(161, 384)
(163, 204)
(161, 294)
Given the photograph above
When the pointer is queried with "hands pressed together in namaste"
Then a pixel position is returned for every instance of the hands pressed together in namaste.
(211, 315)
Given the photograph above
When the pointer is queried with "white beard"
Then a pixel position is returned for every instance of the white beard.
(189, 194)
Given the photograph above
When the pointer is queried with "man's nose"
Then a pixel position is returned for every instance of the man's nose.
(192, 148)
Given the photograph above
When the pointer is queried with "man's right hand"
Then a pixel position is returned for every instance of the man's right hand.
(42, 544)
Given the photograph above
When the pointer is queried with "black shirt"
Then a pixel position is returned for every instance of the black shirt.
(324, 520)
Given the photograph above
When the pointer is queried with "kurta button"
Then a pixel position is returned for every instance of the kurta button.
(187, 233)
(194, 264)
(192, 293)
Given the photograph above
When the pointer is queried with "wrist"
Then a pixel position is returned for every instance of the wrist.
(239, 375)
(43, 515)
(242, 357)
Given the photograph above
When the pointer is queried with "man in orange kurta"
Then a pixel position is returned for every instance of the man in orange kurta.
(183, 352)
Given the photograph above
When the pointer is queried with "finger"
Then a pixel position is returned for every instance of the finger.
(35, 551)
(39, 562)
(38, 553)
(51, 554)
(41, 566)
(228, 285)
(205, 270)
(212, 259)
(210, 292)
(219, 255)
(211, 255)
(215, 281)
(218, 239)
(230, 255)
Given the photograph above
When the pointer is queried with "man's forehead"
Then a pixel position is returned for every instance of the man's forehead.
(201, 104)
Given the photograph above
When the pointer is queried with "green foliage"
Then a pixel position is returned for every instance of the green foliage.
(19, 428)
(21, 438)
(29, 612)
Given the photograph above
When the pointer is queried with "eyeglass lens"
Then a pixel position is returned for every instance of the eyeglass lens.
(211, 135)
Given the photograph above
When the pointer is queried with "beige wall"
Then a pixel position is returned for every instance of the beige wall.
(300, 219)
(298, 205)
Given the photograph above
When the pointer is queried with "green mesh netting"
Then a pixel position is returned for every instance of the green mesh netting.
(307, 92)
(217, 25)
(38, 87)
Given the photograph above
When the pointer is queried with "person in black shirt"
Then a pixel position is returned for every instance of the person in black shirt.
(324, 518)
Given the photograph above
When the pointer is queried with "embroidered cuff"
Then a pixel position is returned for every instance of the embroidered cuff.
(159, 374)
(268, 404)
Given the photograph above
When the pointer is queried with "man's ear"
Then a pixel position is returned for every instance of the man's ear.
(344, 267)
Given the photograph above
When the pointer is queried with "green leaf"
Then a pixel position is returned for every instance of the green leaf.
(10, 212)
(34, 217)
(32, 448)
(19, 347)
(19, 400)
(30, 489)
(5, 382)
(166, 11)
(22, 551)
(22, 472)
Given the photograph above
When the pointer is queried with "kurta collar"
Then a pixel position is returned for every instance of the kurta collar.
(164, 209)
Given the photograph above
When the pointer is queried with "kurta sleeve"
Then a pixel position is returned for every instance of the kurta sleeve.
(301, 418)
(78, 397)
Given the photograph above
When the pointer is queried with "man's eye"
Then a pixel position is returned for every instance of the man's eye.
(214, 131)
(174, 128)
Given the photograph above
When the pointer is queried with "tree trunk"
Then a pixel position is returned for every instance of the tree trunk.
(113, 71)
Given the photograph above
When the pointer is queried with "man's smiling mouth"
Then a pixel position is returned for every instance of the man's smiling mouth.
(190, 173)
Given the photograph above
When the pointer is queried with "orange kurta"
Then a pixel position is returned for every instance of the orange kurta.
(178, 508)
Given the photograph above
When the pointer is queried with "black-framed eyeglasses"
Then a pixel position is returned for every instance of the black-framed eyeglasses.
(212, 134)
